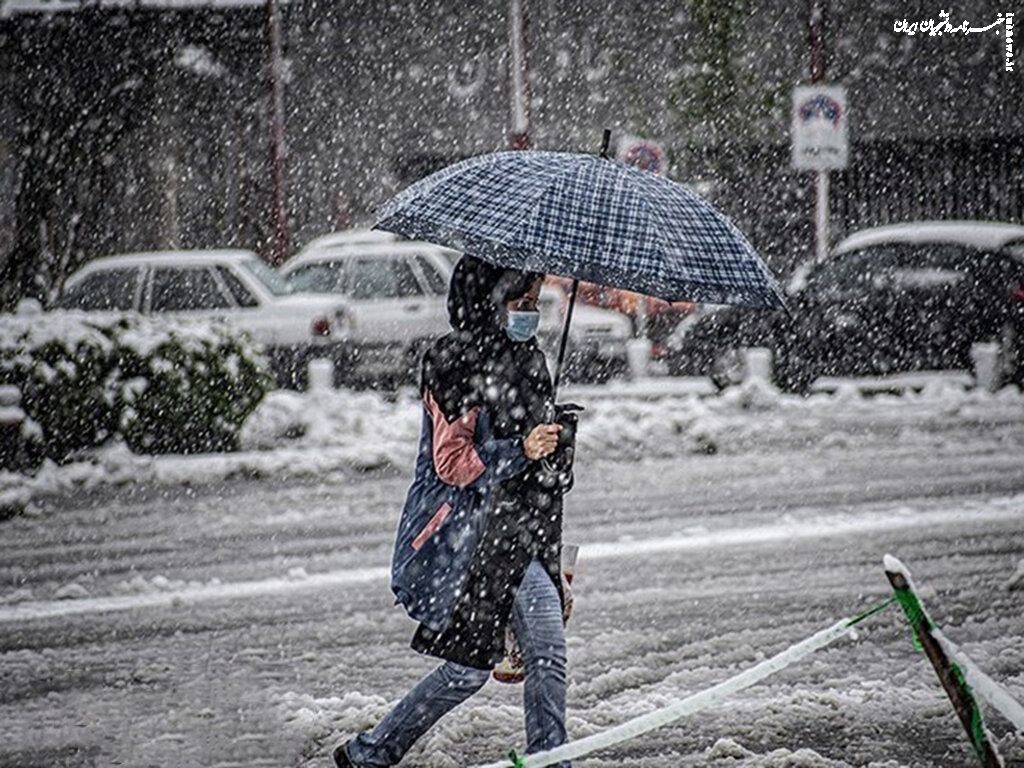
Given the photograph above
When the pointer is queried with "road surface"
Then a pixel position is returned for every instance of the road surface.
(248, 622)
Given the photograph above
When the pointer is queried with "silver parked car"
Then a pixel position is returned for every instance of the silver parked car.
(230, 285)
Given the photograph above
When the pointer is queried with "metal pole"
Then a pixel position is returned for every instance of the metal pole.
(519, 138)
(279, 245)
(821, 216)
(170, 224)
(816, 33)
(821, 201)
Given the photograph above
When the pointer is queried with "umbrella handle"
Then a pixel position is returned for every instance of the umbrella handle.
(564, 341)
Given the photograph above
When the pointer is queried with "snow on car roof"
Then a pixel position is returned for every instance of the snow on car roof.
(211, 256)
(987, 235)
(325, 252)
(351, 237)
(206, 256)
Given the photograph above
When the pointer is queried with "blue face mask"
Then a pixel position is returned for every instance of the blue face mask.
(522, 326)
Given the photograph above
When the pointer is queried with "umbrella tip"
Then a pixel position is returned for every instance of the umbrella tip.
(606, 141)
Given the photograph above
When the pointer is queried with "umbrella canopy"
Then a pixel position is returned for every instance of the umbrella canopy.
(587, 218)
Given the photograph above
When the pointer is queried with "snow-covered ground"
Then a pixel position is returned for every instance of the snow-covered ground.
(233, 609)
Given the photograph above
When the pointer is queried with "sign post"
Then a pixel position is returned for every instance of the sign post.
(520, 70)
(951, 676)
(819, 144)
(279, 245)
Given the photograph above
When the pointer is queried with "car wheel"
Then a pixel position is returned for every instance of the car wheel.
(344, 365)
(287, 365)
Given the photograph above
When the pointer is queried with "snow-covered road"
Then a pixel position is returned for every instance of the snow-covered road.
(789, 528)
(242, 621)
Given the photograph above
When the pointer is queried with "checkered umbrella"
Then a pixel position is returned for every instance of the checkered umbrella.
(587, 218)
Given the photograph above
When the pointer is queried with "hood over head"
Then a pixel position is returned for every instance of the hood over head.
(458, 366)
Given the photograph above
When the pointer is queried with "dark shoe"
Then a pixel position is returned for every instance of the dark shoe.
(340, 755)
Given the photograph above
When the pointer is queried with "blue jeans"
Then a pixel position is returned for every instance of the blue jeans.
(537, 623)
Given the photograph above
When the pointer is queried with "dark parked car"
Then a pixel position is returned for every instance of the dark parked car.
(907, 297)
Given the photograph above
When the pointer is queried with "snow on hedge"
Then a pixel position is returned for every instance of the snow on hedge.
(159, 384)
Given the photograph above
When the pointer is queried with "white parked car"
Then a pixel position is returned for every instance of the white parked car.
(395, 291)
(233, 285)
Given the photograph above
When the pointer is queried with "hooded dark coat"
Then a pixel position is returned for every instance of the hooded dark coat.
(477, 511)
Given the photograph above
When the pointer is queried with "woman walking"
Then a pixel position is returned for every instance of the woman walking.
(478, 549)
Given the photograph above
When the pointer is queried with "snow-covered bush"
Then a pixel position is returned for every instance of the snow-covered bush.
(190, 392)
(162, 386)
(65, 373)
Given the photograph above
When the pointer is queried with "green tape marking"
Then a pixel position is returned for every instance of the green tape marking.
(871, 611)
(979, 736)
(915, 613)
(950, 674)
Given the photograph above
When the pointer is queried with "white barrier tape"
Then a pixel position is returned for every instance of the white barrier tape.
(706, 698)
(983, 685)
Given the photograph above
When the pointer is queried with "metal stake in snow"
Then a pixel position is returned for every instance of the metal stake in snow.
(950, 674)
(691, 704)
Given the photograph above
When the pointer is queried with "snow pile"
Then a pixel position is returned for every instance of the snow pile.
(386, 427)
(70, 328)
(727, 752)
(324, 431)
(72, 591)
(321, 720)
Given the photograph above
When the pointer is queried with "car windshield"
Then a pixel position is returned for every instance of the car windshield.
(326, 277)
(275, 283)
(895, 265)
